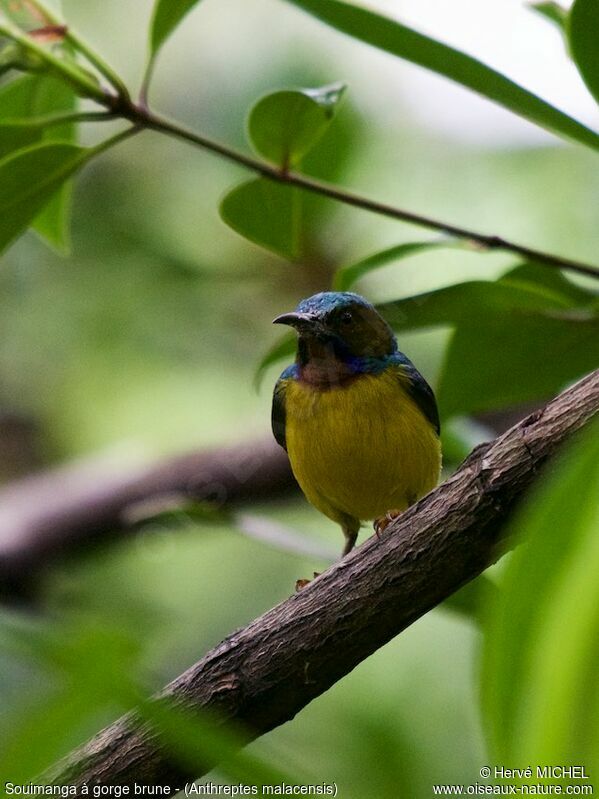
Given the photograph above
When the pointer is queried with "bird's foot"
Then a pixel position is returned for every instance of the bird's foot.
(380, 525)
(302, 583)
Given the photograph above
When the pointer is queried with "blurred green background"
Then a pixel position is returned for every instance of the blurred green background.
(145, 339)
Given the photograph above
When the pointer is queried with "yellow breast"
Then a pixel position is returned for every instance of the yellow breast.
(362, 449)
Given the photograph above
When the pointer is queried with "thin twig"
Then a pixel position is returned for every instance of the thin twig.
(69, 72)
(86, 50)
(283, 538)
(158, 123)
(141, 116)
(52, 120)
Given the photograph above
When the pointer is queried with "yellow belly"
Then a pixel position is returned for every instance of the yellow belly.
(360, 450)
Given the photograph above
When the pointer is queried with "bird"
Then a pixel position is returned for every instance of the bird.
(359, 422)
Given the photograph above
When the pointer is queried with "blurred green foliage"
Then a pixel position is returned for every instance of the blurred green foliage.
(541, 656)
(146, 339)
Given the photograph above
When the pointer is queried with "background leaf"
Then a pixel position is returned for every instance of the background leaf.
(15, 135)
(167, 15)
(284, 348)
(541, 653)
(552, 11)
(285, 125)
(52, 223)
(505, 331)
(347, 276)
(584, 38)
(28, 180)
(402, 41)
(266, 213)
(503, 327)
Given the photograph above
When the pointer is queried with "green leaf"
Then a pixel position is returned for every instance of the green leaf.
(518, 339)
(402, 41)
(552, 11)
(283, 349)
(17, 97)
(52, 223)
(166, 17)
(346, 276)
(541, 653)
(504, 362)
(285, 125)
(472, 302)
(266, 213)
(34, 96)
(29, 179)
(15, 135)
(529, 299)
(584, 42)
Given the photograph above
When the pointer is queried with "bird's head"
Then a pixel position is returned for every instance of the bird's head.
(341, 322)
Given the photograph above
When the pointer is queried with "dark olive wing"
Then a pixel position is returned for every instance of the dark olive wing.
(279, 415)
(420, 391)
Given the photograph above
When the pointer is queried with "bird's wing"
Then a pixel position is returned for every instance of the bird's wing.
(278, 415)
(419, 390)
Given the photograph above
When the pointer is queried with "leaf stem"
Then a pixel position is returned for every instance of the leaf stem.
(61, 119)
(69, 72)
(86, 50)
(116, 139)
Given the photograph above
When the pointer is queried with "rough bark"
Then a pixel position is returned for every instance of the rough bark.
(45, 515)
(264, 674)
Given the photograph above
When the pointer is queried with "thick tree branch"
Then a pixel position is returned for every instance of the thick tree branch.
(264, 674)
(45, 515)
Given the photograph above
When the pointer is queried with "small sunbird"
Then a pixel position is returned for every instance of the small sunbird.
(359, 422)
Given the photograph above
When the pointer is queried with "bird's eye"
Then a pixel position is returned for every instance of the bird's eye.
(346, 318)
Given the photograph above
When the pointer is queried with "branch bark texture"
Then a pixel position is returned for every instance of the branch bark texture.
(264, 674)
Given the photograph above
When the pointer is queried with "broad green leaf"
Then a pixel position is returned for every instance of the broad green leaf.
(52, 224)
(166, 17)
(400, 40)
(549, 283)
(552, 11)
(266, 213)
(472, 302)
(15, 135)
(541, 653)
(28, 180)
(584, 42)
(509, 359)
(285, 125)
(33, 96)
(17, 97)
(529, 299)
(347, 276)
(518, 339)
(283, 349)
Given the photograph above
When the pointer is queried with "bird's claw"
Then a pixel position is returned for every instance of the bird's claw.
(380, 525)
(303, 582)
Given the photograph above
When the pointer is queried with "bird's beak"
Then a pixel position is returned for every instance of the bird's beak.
(300, 321)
